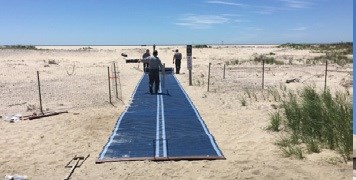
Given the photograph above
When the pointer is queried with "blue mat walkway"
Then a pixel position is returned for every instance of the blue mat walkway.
(166, 126)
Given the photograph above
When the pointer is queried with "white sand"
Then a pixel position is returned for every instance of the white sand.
(41, 148)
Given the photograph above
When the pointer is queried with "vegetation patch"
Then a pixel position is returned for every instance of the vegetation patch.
(267, 60)
(31, 47)
(344, 48)
(201, 46)
(317, 120)
(334, 53)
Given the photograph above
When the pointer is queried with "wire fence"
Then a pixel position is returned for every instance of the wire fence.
(220, 77)
(61, 87)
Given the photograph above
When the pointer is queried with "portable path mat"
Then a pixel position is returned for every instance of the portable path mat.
(163, 126)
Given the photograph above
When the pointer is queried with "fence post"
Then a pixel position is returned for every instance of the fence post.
(209, 76)
(163, 75)
(117, 94)
(263, 73)
(224, 72)
(121, 98)
(326, 73)
(39, 90)
(109, 85)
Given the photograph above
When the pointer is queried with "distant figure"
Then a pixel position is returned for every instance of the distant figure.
(146, 55)
(177, 58)
(154, 66)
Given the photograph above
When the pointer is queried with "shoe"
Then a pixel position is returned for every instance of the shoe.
(151, 91)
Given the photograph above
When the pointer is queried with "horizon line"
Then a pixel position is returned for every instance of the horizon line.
(214, 44)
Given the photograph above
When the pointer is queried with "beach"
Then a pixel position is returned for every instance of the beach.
(75, 79)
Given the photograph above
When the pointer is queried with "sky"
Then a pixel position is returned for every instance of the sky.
(138, 22)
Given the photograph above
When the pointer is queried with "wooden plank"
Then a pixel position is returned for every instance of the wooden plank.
(46, 115)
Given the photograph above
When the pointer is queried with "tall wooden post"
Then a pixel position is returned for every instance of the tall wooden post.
(39, 91)
(326, 74)
(117, 93)
(263, 74)
(209, 76)
(163, 75)
(109, 85)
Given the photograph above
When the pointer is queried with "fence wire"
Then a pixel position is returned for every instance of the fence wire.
(240, 77)
(63, 87)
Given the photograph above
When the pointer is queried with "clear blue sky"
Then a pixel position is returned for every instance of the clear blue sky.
(136, 22)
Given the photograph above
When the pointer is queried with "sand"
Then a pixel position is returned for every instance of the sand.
(78, 84)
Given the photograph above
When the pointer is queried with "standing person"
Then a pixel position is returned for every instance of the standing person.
(154, 66)
(177, 58)
(146, 55)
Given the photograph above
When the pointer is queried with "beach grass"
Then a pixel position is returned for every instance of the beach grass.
(275, 122)
(266, 59)
(319, 120)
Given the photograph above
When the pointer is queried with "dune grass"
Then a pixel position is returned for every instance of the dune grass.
(267, 60)
(275, 122)
(317, 120)
(343, 47)
(334, 53)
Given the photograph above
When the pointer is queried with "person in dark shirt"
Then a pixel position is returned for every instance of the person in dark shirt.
(145, 55)
(177, 58)
(154, 65)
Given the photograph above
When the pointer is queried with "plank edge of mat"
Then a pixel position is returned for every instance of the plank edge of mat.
(178, 158)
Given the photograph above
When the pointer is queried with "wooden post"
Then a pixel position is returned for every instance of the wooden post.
(326, 73)
(109, 85)
(263, 74)
(209, 76)
(39, 90)
(163, 75)
(120, 88)
(190, 78)
(224, 72)
(117, 94)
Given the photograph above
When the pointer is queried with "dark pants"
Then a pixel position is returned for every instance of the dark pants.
(145, 65)
(177, 66)
(154, 78)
